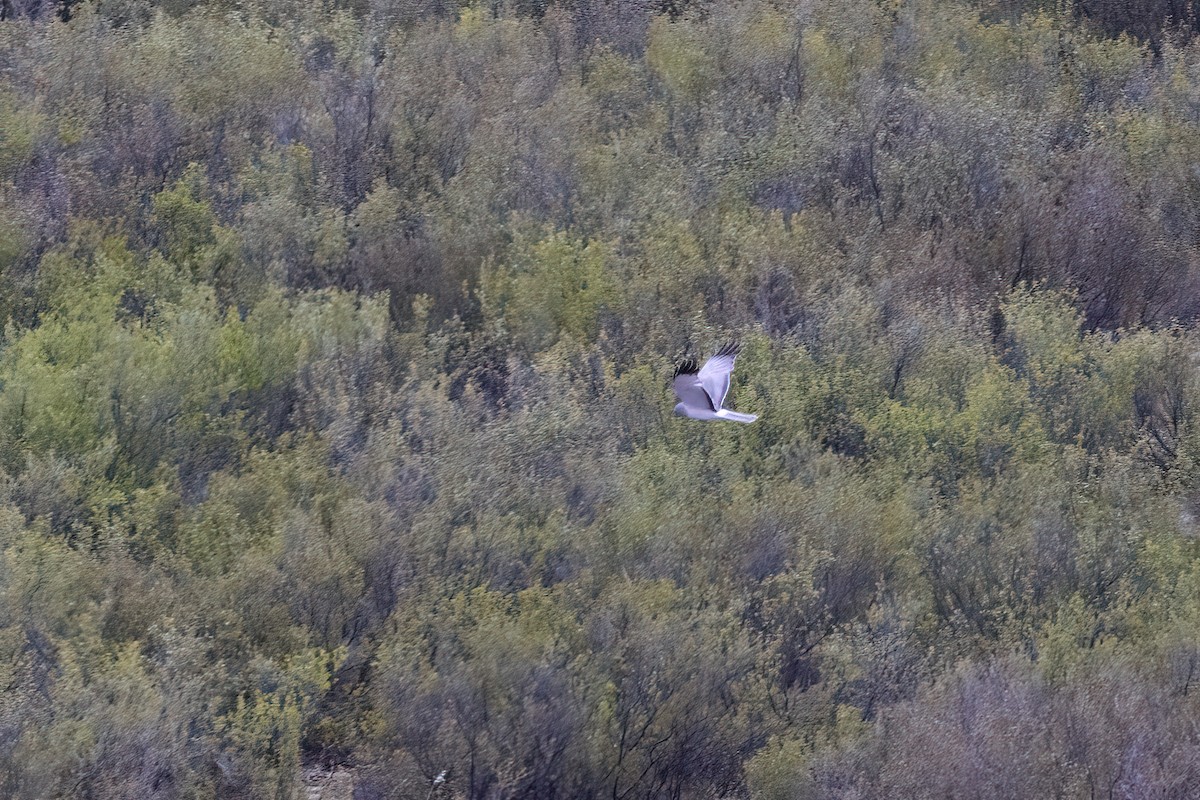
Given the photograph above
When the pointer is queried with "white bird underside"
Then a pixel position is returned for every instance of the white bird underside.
(701, 392)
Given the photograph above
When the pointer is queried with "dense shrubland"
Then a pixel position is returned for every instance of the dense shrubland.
(335, 423)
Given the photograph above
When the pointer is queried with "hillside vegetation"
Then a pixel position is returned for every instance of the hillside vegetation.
(335, 420)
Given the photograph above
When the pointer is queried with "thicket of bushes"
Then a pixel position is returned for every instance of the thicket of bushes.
(335, 423)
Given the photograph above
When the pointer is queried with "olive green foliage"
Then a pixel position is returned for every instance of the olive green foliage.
(335, 420)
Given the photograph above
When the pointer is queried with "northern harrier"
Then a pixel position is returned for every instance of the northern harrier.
(701, 390)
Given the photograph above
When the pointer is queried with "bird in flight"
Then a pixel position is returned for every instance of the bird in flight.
(702, 390)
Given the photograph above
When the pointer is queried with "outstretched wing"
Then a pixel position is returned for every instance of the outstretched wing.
(714, 376)
(688, 389)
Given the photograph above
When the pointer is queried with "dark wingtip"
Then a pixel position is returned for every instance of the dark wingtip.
(730, 349)
(687, 367)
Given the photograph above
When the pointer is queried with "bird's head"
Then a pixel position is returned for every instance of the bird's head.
(679, 412)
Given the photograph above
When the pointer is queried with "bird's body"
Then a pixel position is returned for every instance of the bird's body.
(701, 390)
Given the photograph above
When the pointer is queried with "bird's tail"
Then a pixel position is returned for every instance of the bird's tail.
(725, 413)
